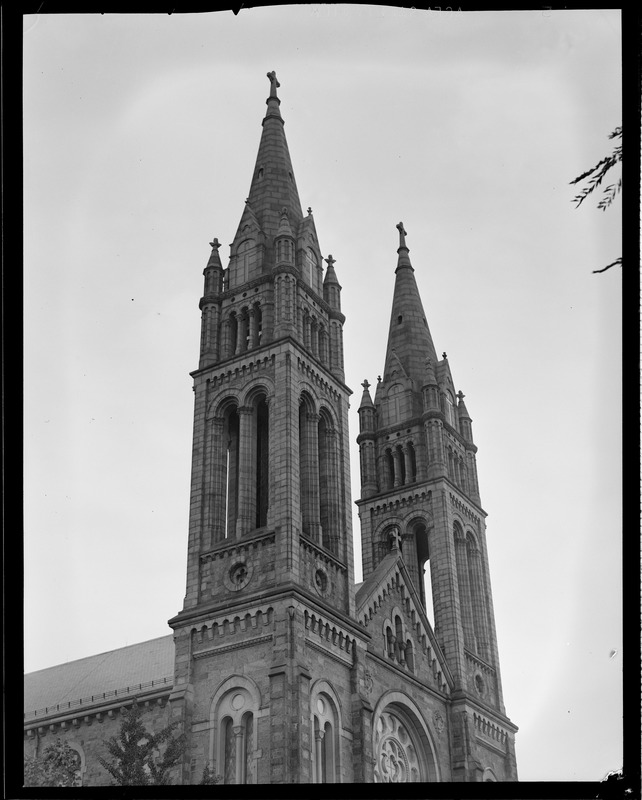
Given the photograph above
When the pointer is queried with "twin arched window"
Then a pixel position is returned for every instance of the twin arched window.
(325, 731)
(234, 735)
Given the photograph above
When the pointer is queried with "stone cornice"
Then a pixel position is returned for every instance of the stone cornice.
(97, 708)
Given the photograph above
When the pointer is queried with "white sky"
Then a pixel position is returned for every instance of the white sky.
(140, 135)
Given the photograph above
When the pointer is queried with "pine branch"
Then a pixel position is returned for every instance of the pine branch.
(617, 262)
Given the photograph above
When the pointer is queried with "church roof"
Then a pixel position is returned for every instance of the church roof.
(87, 678)
(409, 339)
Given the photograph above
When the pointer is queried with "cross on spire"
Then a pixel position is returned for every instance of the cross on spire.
(274, 84)
(365, 384)
(330, 261)
(402, 234)
(215, 244)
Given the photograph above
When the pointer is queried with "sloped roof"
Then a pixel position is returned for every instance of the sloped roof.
(390, 566)
(114, 670)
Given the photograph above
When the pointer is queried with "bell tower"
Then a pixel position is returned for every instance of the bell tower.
(420, 495)
(270, 544)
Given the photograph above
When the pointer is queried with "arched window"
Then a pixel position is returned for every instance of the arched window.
(449, 407)
(310, 268)
(463, 581)
(233, 728)
(478, 596)
(231, 438)
(395, 394)
(329, 488)
(309, 468)
(410, 656)
(402, 748)
(233, 332)
(80, 764)
(325, 731)
(390, 469)
(262, 461)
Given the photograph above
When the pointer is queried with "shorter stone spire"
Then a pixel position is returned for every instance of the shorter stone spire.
(331, 285)
(366, 399)
(430, 378)
(285, 229)
(215, 259)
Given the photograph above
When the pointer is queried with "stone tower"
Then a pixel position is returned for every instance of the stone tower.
(285, 671)
(420, 494)
(270, 540)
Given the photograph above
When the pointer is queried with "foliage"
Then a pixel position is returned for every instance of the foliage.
(57, 766)
(594, 178)
(209, 778)
(134, 752)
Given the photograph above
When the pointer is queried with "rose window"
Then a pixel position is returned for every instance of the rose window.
(396, 754)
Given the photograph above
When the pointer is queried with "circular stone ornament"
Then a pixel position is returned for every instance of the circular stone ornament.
(238, 576)
(321, 581)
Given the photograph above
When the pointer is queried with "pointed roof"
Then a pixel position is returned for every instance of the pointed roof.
(463, 411)
(409, 339)
(366, 400)
(393, 571)
(330, 273)
(273, 186)
(215, 259)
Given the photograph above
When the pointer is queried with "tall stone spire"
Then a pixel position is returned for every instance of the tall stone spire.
(409, 339)
(273, 186)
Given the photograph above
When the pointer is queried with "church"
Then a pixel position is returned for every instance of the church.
(279, 668)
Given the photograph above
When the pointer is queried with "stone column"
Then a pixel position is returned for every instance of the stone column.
(318, 742)
(396, 457)
(407, 463)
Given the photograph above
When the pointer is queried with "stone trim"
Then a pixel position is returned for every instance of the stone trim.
(236, 646)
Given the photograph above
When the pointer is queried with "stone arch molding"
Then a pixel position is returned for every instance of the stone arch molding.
(403, 746)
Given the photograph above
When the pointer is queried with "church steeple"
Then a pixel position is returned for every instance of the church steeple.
(409, 339)
(273, 186)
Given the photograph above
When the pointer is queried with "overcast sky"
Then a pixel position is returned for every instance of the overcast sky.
(140, 136)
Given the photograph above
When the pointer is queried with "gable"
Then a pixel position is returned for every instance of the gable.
(390, 609)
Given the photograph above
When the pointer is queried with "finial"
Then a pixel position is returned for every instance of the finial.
(443, 355)
(378, 378)
(247, 200)
(274, 84)
(284, 211)
(329, 261)
(309, 210)
(215, 244)
(402, 234)
(461, 396)
(365, 384)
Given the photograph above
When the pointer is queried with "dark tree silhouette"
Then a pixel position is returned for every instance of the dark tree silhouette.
(593, 179)
(58, 766)
(134, 759)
